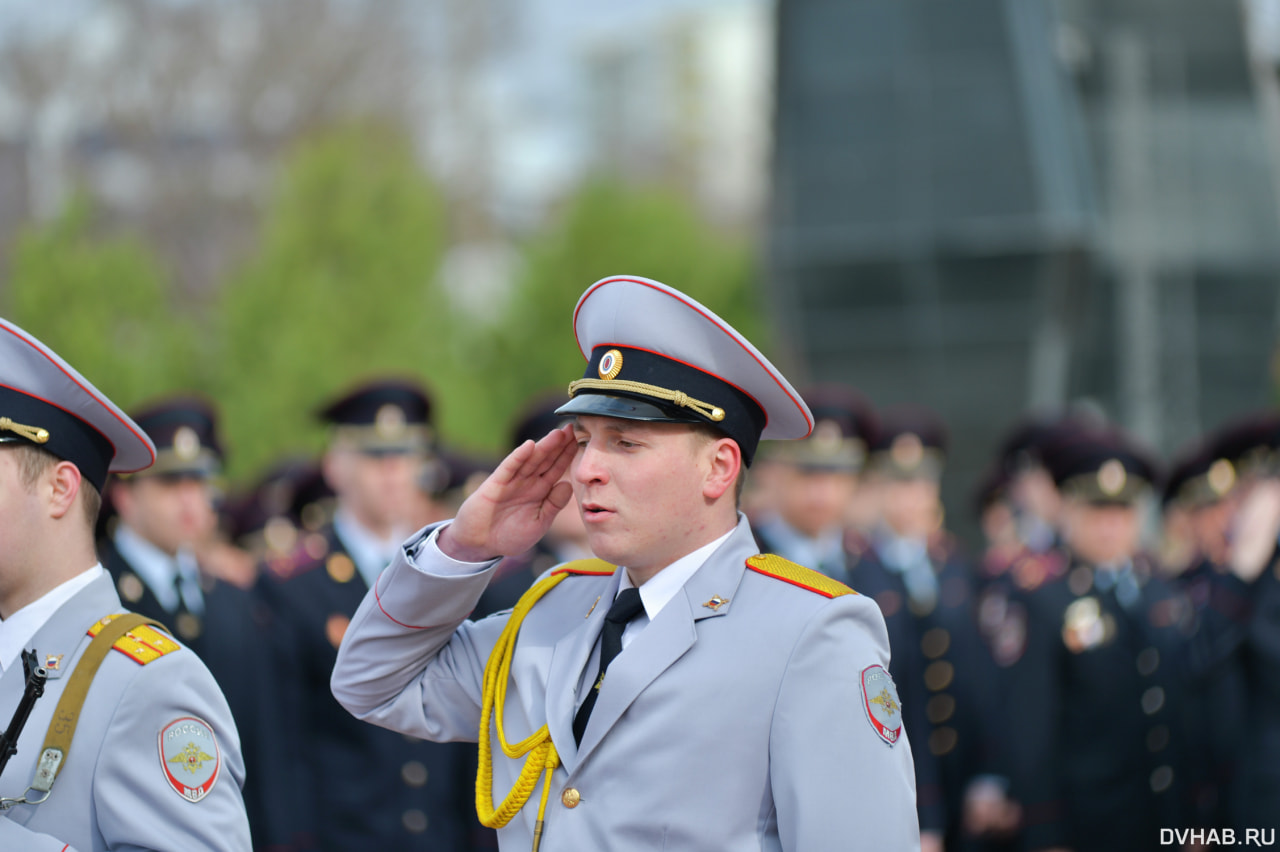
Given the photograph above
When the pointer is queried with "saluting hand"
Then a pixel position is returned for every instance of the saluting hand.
(1254, 530)
(514, 507)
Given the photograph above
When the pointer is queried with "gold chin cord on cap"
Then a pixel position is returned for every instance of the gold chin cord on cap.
(542, 757)
(680, 398)
(31, 433)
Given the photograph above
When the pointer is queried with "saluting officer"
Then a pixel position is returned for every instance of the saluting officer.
(1238, 628)
(357, 787)
(1093, 702)
(684, 691)
(144, 753)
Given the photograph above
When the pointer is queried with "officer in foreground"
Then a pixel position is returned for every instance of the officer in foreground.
(144, 754)
(698, 696)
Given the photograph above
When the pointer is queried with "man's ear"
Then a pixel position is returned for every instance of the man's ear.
(64, 481)
(725, 463)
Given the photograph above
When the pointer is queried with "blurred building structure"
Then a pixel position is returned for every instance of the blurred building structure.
(997, 205)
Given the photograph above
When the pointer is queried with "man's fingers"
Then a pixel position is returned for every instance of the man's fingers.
(561, 495)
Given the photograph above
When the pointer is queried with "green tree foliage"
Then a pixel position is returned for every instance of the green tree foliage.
(609, 228)
(103, 304)
(341, 288)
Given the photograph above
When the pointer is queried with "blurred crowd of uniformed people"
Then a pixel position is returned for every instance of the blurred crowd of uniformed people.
(1107, 666)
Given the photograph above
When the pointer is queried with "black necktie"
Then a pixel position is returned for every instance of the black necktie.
(626, 606)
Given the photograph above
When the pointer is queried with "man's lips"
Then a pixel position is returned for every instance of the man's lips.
(595, 512)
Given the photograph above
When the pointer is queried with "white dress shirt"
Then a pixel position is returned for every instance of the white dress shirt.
(163, 574)
(370, 553)
(16, 630)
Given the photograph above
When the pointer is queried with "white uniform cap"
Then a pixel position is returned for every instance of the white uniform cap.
(654, 353)
(46, 403)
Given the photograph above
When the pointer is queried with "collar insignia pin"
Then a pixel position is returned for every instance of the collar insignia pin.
(715, 603)
(593, 607)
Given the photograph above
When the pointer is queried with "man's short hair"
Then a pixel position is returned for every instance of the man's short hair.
(34, 462)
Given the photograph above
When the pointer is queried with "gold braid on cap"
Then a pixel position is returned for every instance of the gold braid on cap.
(31, 433)
(680, 398)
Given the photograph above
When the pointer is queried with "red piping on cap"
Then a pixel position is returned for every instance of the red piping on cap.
(100, 400)
(696, 309)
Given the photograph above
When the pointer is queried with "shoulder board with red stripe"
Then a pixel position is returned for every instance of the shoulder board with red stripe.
(772, 565)
(142, 644)
(587, 567)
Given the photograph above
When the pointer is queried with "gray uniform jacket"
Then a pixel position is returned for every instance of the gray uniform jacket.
(113, 792)
(734, 727)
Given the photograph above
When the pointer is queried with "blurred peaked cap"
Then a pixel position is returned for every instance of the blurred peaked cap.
(992, 487)
(271, 496)
(310, 502)
(1025, 443)
(447, 470)
(844, 427)
(184, 431)
(655, 354)
(911, 443)
(44, 402)
(1198, 477)
(538, 417)
(1101, 466)
(387, 415)
(1249, 442)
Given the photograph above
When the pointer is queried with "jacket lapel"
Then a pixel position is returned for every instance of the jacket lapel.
(669, 636)
(568, 660)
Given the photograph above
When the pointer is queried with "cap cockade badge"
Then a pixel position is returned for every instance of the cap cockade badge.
(610, 364)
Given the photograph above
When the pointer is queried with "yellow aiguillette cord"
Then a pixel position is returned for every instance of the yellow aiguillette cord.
(542, 757)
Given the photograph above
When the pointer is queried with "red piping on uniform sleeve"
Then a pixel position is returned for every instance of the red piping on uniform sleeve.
(377, 595)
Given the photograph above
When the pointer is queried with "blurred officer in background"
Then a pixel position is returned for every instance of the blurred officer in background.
(919, 574)
(155, 761)
(1092, 703)
(1239, 623)
(1202, 487)
(564, 541)
(356, 786)
(814, 480)
(157, 552)
(165, 516)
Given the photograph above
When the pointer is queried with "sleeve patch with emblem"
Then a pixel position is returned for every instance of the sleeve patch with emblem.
(880, 700)
(772, 565)
(189, 757)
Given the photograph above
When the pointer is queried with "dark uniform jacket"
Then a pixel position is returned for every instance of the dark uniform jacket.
(954, 677)
(355, 786)
(1092, 710)
(1238, 637)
